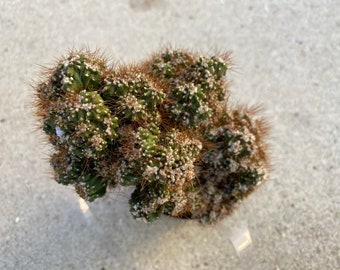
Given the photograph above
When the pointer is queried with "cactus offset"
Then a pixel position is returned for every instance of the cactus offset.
(163, 126)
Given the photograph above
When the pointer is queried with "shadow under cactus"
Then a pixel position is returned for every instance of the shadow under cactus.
(163, 126)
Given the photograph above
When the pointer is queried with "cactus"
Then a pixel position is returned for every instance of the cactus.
(163, 126)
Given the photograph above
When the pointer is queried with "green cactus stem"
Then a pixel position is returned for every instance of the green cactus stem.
(163, 126)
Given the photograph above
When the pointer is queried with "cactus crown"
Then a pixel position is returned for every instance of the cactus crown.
(163, 126)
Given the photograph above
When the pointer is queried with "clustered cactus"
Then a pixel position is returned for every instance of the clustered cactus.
(163, 126)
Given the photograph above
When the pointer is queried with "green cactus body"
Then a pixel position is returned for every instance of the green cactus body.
(132, 98)
(189, 105)
(167, 176)
(163, 126)
(78, 72)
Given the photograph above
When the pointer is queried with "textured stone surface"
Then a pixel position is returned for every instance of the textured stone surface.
(287, 57)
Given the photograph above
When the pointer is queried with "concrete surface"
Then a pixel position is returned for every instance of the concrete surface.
(287, 56)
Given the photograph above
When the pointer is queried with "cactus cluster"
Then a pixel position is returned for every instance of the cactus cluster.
(163, 126)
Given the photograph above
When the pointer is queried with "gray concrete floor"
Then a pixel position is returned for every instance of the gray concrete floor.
(287, 56)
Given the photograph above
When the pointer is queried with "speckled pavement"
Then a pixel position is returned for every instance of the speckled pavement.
(286, 56)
